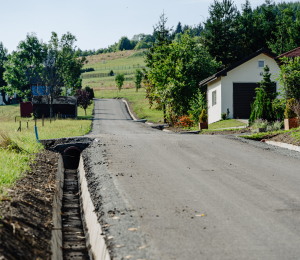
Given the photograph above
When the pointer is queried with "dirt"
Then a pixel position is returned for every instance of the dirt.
(26, 212)
(227, 132)
(286, 138)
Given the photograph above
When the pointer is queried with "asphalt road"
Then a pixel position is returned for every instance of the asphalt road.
(199, 196)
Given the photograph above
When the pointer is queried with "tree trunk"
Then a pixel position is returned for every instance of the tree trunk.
(85, 112)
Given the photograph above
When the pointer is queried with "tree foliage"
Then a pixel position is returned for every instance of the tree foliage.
(138, 77)
(119, 80)
(265, 94)
(84, 99)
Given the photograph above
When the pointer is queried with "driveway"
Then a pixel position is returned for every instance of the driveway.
(194, 196)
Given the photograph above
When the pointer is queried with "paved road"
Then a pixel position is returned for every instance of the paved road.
(202, 197)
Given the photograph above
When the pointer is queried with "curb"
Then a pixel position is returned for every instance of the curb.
(284, 145)
(132, 116)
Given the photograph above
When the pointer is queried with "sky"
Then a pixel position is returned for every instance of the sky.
(96, 24)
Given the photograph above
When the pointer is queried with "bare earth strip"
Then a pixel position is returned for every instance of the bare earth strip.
(192, 196)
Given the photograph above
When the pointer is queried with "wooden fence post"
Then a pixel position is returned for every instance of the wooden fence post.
(43, 120)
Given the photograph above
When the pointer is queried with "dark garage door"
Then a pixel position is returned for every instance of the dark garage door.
(243, 97)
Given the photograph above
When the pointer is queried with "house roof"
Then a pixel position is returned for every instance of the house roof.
(224, 71)
(70, 100)
(290, 54)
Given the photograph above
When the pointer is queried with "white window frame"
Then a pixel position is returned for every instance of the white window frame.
(214, 98)
(258, 64)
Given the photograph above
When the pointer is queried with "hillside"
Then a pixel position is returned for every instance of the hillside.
(123, 62)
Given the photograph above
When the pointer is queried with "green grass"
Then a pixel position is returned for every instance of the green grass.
(138, 102)
(295, 133)
(14, 165)
(225, 124)
(118, 64)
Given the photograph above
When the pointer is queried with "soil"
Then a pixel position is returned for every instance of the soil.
(227, 132)
(26, 212)
(285, 138)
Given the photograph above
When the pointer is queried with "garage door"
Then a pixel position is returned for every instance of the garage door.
(243, 97)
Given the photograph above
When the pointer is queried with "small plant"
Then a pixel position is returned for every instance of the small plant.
(186, 121)
(8, 144)
(270, 128)
(289, 113)
(119, 80)
(203, 117)
(260, 123)
(111, 73)
(296, 109)
(224, 116)
(277, 125)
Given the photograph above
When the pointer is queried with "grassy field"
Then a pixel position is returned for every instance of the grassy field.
(122, 62)
(14, 163)
(225, 124)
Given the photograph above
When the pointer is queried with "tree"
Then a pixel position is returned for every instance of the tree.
(220, 35)
(178, 28)
(138, 77)
(91, 91)
(3, 58)
(119, 80)
(61, 67)
(289, 77)
(265, 94)
(24, 64)
(84, 99)
(175, 80)
(124, 44)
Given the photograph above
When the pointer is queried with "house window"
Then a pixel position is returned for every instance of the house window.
(214, 98)
(261, 63)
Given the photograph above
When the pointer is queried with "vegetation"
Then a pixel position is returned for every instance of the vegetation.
(203, 117)
(265, 94)
(197, 104)
(84, 99)
(288, 112)
(17, 148)
(119, 79)
(138, 77)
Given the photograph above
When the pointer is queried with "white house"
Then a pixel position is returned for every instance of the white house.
(234, 87)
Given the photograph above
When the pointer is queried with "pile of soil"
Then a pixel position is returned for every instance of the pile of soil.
(26, 212)
(286, 138)
(227, 132)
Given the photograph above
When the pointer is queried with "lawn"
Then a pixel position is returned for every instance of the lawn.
(225, 124)
(14, 164)
(138, 102)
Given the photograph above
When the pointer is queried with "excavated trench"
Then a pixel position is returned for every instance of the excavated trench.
(73, 236)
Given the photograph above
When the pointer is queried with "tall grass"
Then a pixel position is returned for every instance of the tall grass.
(17, 149)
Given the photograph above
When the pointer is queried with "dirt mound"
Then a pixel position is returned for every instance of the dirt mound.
(26, 212)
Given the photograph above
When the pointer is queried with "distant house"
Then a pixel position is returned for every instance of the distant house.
(290, 54)
(233, 88)
(64, 106)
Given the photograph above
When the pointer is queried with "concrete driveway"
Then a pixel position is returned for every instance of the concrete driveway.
(194, 196)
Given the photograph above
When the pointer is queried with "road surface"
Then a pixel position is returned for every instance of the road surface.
(200, 196)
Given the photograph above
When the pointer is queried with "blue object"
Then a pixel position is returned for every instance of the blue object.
(40, 90)
(36, 134)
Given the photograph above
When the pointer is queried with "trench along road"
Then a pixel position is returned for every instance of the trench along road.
(200, 196)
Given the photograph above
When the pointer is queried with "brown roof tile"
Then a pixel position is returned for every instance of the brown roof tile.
(290, 54)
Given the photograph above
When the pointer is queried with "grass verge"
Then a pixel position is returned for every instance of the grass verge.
(13, 163)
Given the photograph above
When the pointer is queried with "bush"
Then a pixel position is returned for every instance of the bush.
(260, 123)
(289, 113)
(224, 116)
(278, 107)
(277, 125)
(90, 91)
(186, 121)
(111, 73)
(203, 117)
(197, 104)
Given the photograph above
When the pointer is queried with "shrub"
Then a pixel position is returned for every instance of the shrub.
(296, 109)
(203, 117)
(186, 121)
(197, 104)
(278, 107)
(289, 113)
(90, 91)
(224, 116)
(277, 125)
(260, 123)
(111, 73)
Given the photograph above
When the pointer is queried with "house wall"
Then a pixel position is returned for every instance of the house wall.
(214, 111)
(247, 72)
